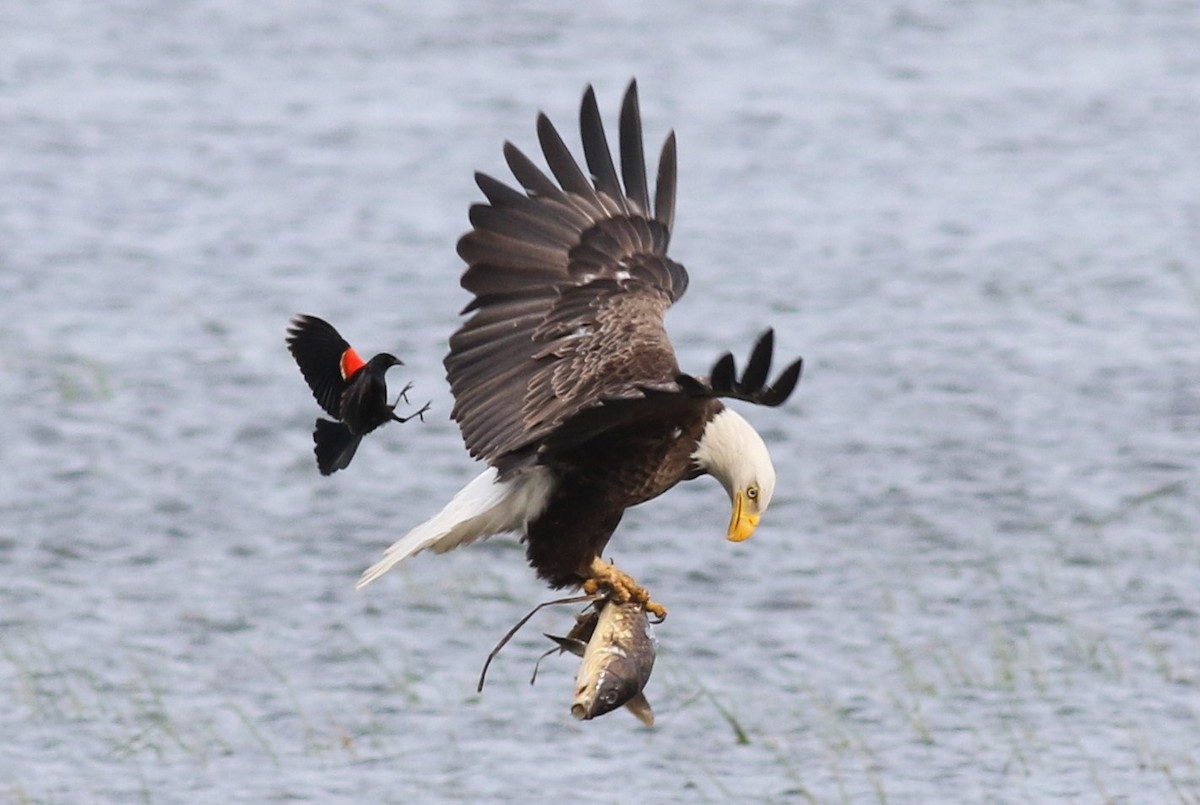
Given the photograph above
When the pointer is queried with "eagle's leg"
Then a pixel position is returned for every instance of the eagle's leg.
(605, 577)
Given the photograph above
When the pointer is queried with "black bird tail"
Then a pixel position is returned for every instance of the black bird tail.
(335, 446)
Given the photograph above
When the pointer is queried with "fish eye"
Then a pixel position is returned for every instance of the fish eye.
(752, 493)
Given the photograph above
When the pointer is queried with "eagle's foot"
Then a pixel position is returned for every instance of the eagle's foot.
(607, 579)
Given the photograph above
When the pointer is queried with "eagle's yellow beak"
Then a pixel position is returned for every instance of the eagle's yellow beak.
(743, 523)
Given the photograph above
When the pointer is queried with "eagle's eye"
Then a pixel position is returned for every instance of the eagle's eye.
(752, 492)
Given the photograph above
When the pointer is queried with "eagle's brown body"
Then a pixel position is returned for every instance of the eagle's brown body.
(603, 477)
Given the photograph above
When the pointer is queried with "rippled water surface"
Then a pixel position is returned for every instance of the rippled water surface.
(980, 578)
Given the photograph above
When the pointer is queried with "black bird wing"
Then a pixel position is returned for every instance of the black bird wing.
(318, 350)
(571, 282)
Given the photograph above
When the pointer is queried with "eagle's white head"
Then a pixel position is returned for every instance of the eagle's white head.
(732, 452)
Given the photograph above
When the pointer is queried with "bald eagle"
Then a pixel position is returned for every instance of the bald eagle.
(563, 377)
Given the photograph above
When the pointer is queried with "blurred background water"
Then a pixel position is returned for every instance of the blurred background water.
(979, 223)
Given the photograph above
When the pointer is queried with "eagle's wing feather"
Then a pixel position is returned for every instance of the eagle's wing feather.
(599, 158)
(633, 156)
(752, 386)
(571, 282)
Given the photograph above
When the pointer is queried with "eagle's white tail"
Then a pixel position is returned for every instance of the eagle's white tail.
(484, 507)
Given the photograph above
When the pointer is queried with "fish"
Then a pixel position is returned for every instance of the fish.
(618, 648)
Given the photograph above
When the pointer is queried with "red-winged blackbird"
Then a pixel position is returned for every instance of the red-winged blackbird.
(351, 390)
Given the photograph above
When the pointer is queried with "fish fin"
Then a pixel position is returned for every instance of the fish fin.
(640, 707)
(569, 645)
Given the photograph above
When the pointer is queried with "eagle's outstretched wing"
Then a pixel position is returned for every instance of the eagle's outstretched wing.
(571, 282)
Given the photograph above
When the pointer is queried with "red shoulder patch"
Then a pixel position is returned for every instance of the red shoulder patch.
(351, 363)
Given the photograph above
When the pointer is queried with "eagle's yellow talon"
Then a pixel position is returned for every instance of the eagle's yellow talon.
(608, 579)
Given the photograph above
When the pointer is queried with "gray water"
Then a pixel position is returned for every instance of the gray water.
(980, 577)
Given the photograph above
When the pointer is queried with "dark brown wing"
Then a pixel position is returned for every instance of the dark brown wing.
(571, 281)
(752, 386)
(684, 392)
(318, 350)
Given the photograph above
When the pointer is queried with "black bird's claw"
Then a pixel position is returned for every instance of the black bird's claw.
(418, 414)
(404, 393)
